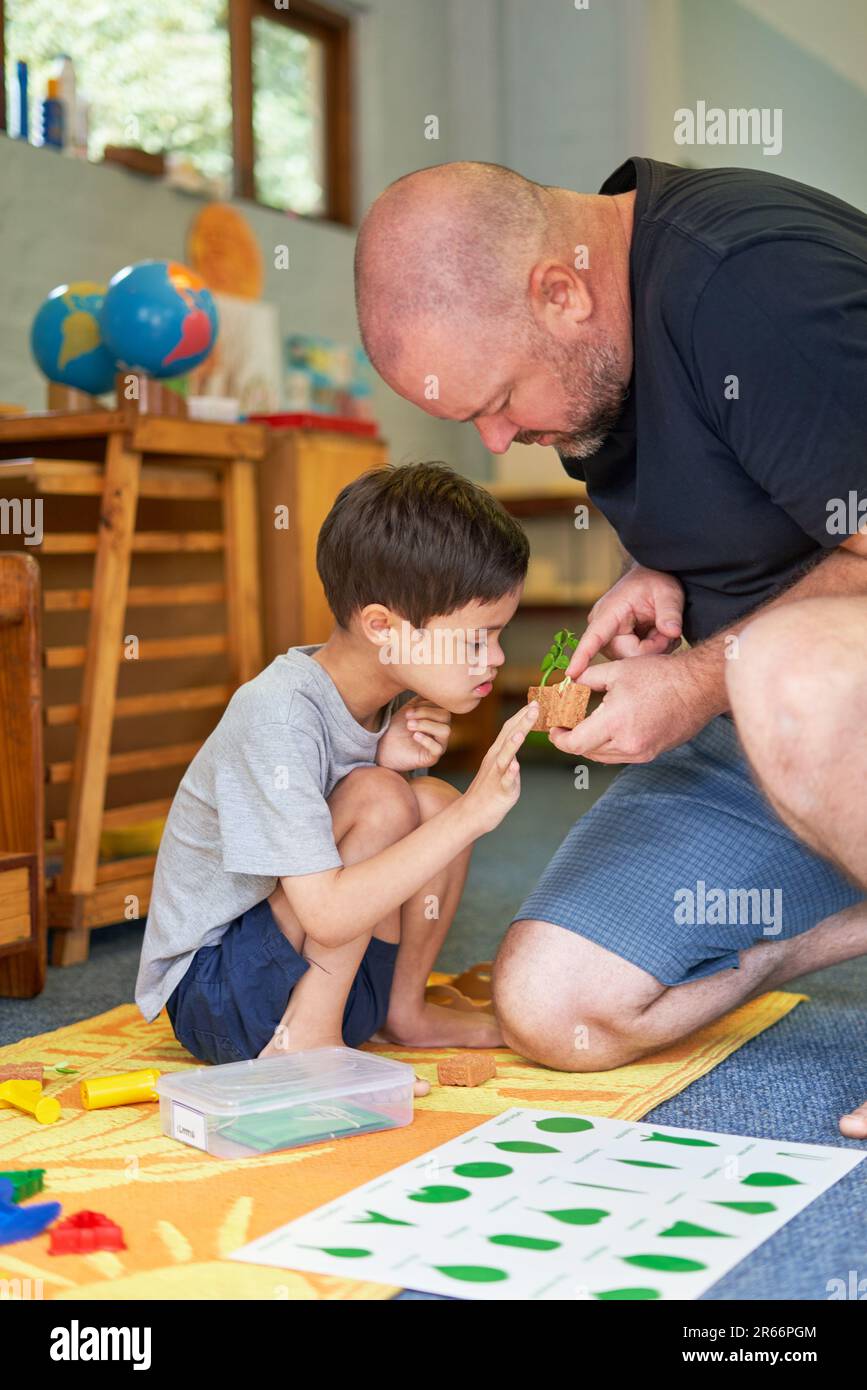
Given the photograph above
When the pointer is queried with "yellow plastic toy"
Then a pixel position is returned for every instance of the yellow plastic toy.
(128, 1088)
(27, 1095)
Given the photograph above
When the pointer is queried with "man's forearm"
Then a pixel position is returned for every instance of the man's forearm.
(841, 573)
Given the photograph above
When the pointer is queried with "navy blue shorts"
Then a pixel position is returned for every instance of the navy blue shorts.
(234, 993)
(681, 864)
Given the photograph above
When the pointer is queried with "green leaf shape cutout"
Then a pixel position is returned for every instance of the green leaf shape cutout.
(771, 1180)
(525, 1242)
(672, 1264)
(628, 1293)
(749, 1208)
(483, 1170)
(564, 1124)
(578, 1216)
(689, 1228)
(376, 1218)
(473, 1274)
(524, 1146)
(340, 1252)
(644, 1163)
(439, 1193)
(657, 1138)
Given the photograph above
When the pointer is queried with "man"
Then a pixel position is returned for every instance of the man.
(693, 343)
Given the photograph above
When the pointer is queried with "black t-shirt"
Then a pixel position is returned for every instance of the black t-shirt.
(736, 274)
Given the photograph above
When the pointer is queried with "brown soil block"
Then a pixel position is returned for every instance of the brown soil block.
(559, 710)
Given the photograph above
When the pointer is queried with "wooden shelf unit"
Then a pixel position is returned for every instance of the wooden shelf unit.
(125, 465)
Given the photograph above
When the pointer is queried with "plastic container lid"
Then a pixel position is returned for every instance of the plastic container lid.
(273, 1083)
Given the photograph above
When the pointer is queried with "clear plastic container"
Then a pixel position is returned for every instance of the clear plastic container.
(271, 1103)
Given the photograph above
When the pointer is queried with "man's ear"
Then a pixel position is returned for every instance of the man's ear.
(560, 298)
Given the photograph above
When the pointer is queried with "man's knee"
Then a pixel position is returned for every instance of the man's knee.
(377, 797)
(796, 684)
(548, 1015)
(794, 670)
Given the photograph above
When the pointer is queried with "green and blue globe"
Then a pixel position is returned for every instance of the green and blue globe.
(66, 338)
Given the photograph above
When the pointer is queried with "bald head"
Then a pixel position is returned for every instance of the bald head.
(474, 305)
(453, 243)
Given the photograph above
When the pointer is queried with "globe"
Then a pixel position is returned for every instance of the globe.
(159, 318)
(66, 338)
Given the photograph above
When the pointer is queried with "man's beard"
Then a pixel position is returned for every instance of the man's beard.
(591, 377)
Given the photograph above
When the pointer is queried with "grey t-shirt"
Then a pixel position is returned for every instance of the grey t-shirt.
(250, 808)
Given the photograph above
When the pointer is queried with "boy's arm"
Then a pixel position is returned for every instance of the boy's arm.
(339, 904)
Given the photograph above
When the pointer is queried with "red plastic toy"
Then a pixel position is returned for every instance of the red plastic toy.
(83, 1232)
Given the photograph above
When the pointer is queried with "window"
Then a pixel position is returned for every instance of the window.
(256, 95)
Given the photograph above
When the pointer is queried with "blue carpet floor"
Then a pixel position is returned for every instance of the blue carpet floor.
(791, 1083)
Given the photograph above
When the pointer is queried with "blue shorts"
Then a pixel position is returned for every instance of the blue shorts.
(234, 993)
(682, 863)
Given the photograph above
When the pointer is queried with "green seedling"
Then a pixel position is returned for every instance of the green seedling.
(559, 656)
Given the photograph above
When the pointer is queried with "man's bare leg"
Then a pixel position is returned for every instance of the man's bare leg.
(799, 696)
(425, 920)
(571, 1004)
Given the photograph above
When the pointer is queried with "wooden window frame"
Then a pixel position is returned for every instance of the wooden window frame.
(335, 31)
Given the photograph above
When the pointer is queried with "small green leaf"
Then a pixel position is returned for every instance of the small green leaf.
(525, 1242)
(473, 1274)
(564, 1124)
(482, 1170)
(434, 1193)
(524, 1146)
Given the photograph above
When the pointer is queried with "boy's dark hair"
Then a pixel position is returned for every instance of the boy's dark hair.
(421, 539)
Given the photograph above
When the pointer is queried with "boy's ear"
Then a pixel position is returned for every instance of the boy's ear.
(376, 623)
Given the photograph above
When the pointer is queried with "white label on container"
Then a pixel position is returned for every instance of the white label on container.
(189, 1126)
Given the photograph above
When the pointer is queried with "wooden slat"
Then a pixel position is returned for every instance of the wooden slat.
(14, 882)
(157, 434)
(73, 477)
(47, 425)
(15, 929)
(192, 697)
(119, 816)
(99, 685)
(136, 866)
(136, 760)
(101, 907)
(86, 543)
(139, 596)
(150, 435)
(149, 649)
(244, 609)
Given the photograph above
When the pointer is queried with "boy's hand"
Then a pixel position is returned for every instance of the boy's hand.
(416, 737)
(497, 784)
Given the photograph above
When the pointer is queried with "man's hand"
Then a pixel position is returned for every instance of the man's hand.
(417, 736)
(854, 1125)
(649, 706)
(642, 615)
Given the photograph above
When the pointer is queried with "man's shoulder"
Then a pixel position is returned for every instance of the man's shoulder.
(726, 211)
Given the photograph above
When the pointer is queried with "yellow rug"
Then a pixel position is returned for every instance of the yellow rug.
(183, 1211)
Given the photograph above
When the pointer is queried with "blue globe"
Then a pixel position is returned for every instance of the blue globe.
(66, 338)
(159, 318)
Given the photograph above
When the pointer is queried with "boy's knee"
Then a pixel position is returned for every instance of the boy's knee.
(432, 795)
(379, 797)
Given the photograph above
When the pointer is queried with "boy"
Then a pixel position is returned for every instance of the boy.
(304, 883)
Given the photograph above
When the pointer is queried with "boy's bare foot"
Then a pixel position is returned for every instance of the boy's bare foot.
(279, 1046)
(431, 1025)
